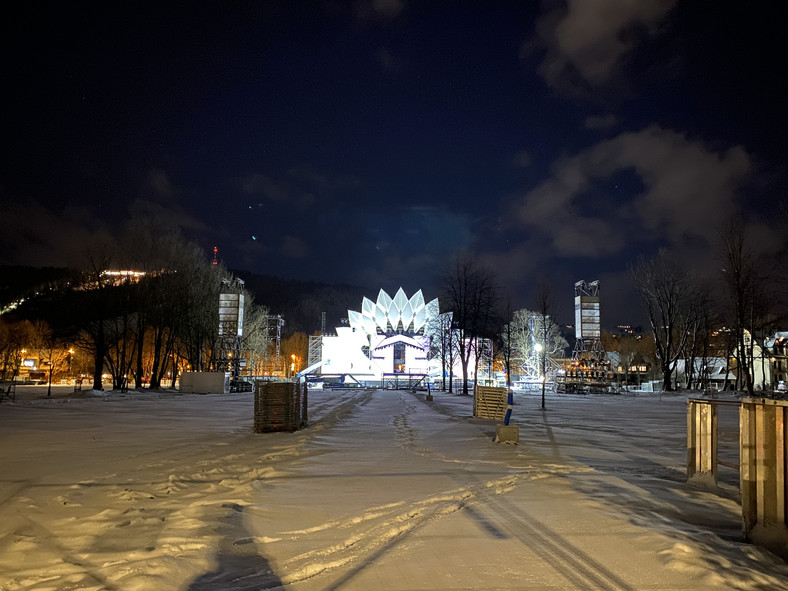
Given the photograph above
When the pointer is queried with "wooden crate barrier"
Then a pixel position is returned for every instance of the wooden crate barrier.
(701, 439)
(762, 439)
(279, 406)
(489, 403)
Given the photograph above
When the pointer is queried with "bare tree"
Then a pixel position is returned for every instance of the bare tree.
(507, 350)
(528, 328)
(699, 326)
(95, 284)
(665, 289)
(295, 350)
(51, 352)
(547, 332)
(14, 336)
(256, 344)
(469, 293)
(747, 302)
(178, 299)
(443, 346)
(439, 331)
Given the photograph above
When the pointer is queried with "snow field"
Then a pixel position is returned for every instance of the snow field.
(383, 491)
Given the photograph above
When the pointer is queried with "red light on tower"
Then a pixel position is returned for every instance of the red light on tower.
(215, 255)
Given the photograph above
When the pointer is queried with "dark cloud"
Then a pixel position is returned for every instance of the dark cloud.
(586, 41)
(379, 10)
(158, 183)
(277, 191)
(522, 159)
(688, 190)
(601, 121)
(293, 247)
(38, 236)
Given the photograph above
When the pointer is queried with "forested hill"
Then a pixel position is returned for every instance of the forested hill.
(17, 282)
(303, 302)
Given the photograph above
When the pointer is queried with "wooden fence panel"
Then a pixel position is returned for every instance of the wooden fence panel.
(762, 444)
(489, 403)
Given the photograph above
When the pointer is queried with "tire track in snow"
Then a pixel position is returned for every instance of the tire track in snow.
(385, 526)
(569, 561)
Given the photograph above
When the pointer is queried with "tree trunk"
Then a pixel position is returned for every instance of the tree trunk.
(98, 367)
(140, 343)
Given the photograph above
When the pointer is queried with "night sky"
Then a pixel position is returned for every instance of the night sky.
(365, 142)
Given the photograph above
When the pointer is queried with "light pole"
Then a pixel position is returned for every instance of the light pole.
(542, 377)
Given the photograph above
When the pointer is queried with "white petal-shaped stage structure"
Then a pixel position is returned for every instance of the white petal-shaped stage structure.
(388, 336)
(368, 307)
(407, 316)
(388, 344)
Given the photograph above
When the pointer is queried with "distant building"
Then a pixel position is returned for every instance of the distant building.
(710, 372)
(777, 345)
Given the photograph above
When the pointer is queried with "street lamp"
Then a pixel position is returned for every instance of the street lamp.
(542, 376)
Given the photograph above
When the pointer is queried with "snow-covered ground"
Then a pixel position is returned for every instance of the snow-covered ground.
(383, 491)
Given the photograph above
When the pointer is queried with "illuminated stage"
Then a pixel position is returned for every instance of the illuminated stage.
(390, 336)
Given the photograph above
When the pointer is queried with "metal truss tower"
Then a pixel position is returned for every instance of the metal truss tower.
(589, 369)
(484, 371)
(231, 318)
(588, 328)
(273, 331)
(315, 350)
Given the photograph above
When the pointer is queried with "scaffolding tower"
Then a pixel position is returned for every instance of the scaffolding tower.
(589, 370)
(315, 350)
(273, 331)
(484, 367)
(228, 346)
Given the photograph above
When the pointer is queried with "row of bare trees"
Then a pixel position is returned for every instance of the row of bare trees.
(695, 319)
(34, 339)
(154, 322)
(698, 320)
(471, 301)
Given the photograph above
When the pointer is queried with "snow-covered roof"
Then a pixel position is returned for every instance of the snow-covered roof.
(712, 366)
(780, 335)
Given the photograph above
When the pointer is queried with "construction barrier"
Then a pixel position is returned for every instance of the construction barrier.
(763, 453)
(762, 427)
(204, 382)
(703, 456)
(279, 406)
(489, 403)
(701, 439)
